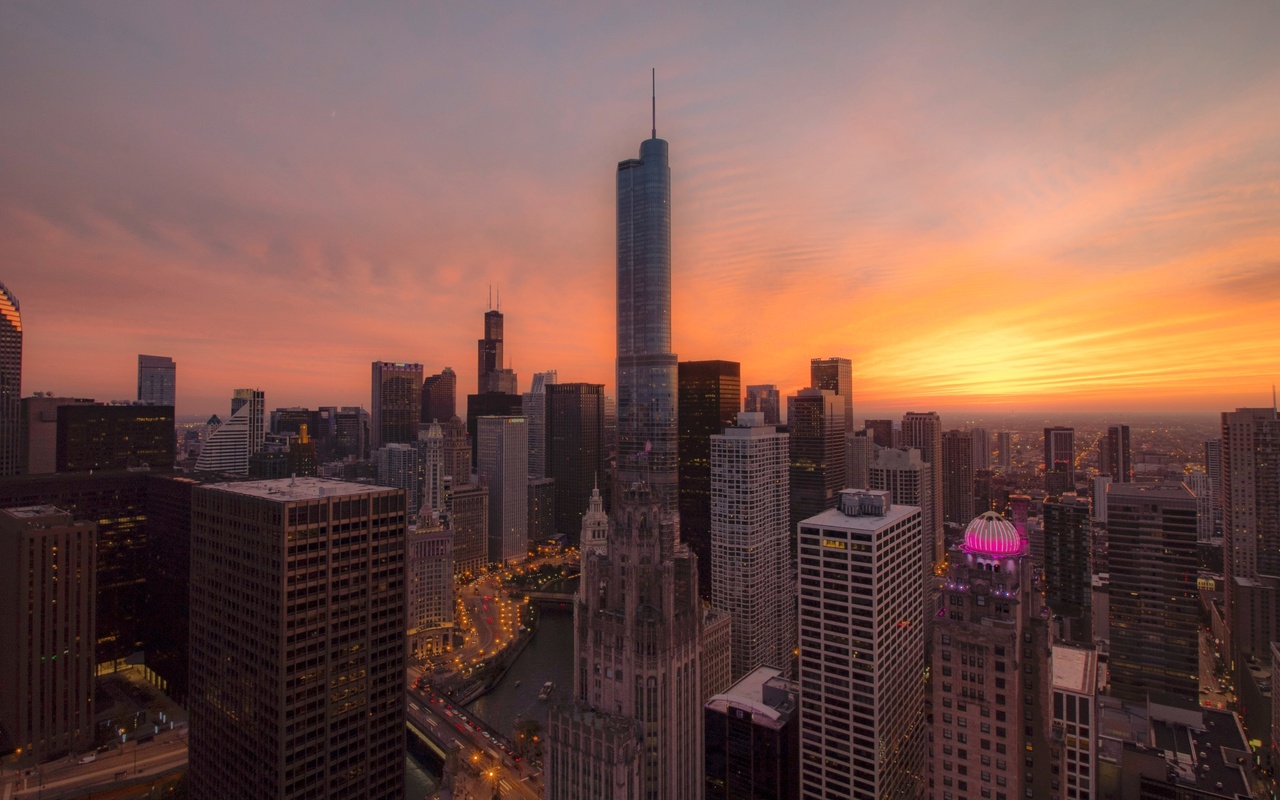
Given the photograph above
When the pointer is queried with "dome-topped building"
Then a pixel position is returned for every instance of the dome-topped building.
(992, 535)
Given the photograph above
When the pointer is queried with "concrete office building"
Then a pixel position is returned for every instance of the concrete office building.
(48, 588)
(859, 452)
(880, 431)
(1074, 747)
(297, 640)
(108, 437)
(157, 380)
(751, 578)
(503, 467)
(862, 725)
(908, 479)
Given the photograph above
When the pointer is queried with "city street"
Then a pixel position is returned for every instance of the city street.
(168, 751)
(482, 761)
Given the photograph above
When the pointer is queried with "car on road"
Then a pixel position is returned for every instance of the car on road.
(88, 758)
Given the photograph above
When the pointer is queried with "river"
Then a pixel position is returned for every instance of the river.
(548, 657)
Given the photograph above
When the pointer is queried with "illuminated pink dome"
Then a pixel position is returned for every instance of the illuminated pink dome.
(992, 535)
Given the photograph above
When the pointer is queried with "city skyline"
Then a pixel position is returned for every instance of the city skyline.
(996, 195)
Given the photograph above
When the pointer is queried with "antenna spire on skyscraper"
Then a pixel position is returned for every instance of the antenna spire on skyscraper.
(490, 297)
(654, 98)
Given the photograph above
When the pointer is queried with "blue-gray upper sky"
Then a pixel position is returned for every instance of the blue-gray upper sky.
(1044, 205)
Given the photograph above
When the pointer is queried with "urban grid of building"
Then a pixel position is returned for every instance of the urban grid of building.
(768, 600)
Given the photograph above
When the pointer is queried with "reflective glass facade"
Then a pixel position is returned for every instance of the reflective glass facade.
(647, 448)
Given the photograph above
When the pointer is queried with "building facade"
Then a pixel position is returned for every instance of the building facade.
(440, 396)
(1154, 599)
(107, 437)
(766, 399)
(48, 590)
(491, 374)
(709, 394)
(923, 431)
(751, 577)
(534, 408)
(862, 724)
(753, 739)
(991, 673)
(429, 563)
(157, 380)
(574, 449)
(957, 477)
(503, 467)
(10, 382)
(396, 404)
(1068, 565)
(815, 418)
(1059, 460)
(468, 507)
(242, 435)
(1116, 458)
(297, 640)
(835, 374)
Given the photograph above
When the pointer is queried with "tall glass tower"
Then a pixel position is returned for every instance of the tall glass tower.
(11, 380)
(647, 441)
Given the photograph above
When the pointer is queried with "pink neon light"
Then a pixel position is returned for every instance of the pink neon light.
(992, 535)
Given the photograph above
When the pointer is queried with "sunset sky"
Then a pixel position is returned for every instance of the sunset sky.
(1016, 206)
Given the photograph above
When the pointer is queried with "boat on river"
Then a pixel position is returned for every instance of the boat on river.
(547, 688)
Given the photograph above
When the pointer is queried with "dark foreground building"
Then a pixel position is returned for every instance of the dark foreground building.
(297, 640)
(752, 739)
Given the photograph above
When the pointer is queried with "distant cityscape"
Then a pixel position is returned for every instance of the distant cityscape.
(768, 595)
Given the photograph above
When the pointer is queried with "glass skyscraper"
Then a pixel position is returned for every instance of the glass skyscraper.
(11, 380)
(647, 447)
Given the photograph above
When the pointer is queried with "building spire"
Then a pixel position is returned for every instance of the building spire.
(490, 297)
(654, 98)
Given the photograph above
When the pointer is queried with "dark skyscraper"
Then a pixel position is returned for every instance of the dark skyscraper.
(10, 382)
(957, 477)
(491, 376)
(397, 403)
(923, 431)
(1068, 565)
(880, 431)
(647, 446)
(835, 374)
(97, 437)
(1117, 457)
(1059, 460)
(709, 396)
(574, 419)
(1154, 602)
(440, 397)
(765, 398)
(157, 380)
(297, 672)
(815, 418)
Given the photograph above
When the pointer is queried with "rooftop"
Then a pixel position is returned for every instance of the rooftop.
(1075, 669)
(34, 512)
(749, 693)
(299, 489)
(834, 518)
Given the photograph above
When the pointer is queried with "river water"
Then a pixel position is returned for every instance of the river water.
(548, 657)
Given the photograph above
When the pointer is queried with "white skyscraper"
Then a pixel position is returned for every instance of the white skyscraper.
(908, 479)
(243, 434)
(502, 455)
(861, 650)
(750, 567)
